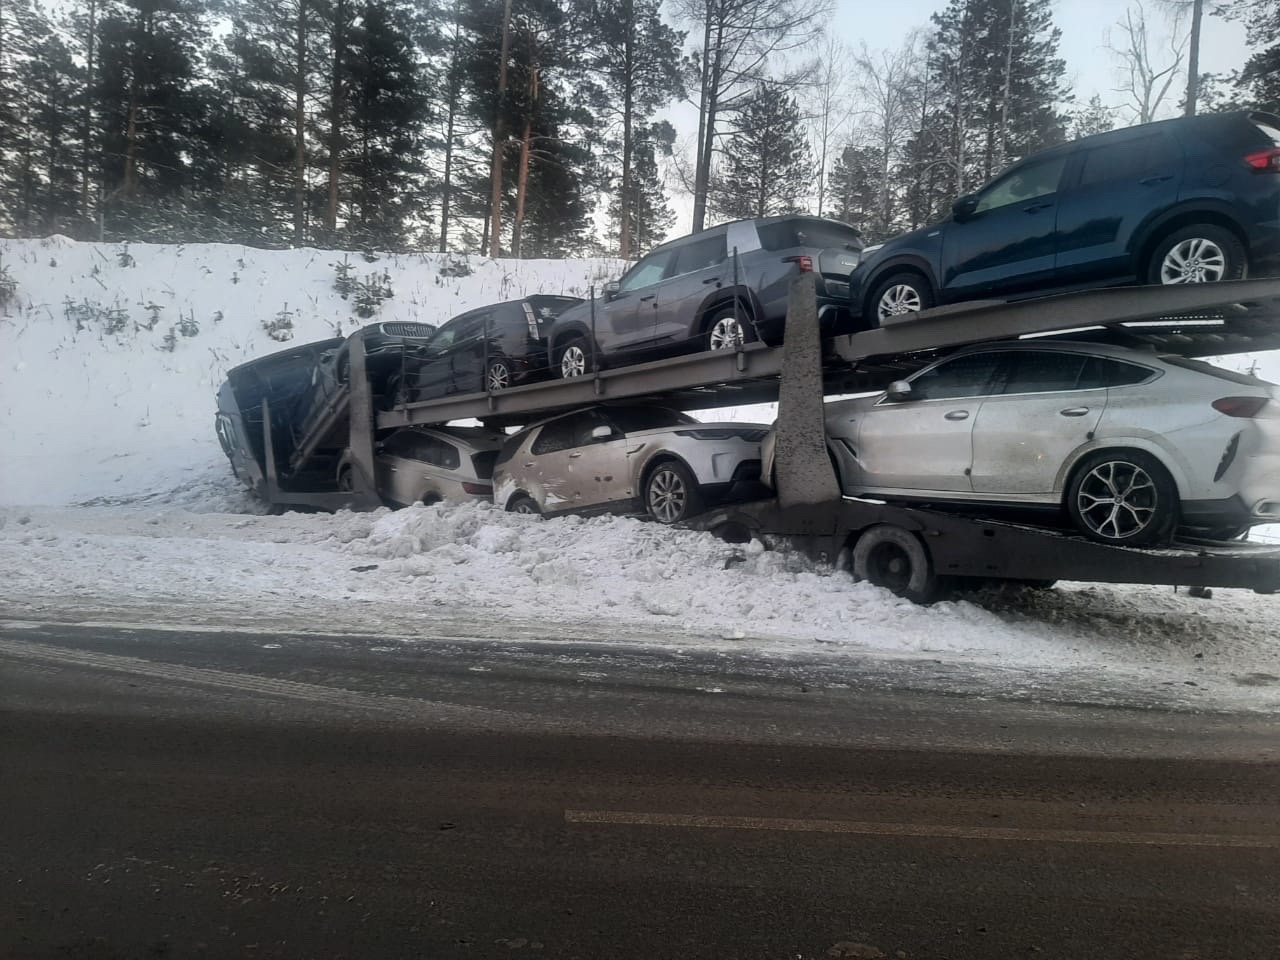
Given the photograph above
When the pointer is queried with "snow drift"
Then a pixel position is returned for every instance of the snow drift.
(110, 355)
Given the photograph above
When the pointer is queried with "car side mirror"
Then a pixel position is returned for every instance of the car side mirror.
(602, 432)
(611, 289)
(962, 209)
(899, 390)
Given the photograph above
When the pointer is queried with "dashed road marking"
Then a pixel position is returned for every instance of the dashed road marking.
(921, 830)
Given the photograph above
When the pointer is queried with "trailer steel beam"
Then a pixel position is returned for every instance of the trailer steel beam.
(1218, 318)
(1194, 320)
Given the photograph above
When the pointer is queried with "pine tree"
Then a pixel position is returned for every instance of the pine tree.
(1093, 118)
(769, 166)
(51, 78)
(389, 110)
(853, 191)
(1259, 80)
(997, 80)
(638, 61)
(21, 27)
(546, 117)
(649, 214)
(273, 70)
(148, 101)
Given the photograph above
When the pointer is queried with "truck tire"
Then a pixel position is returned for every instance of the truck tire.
(897, 560)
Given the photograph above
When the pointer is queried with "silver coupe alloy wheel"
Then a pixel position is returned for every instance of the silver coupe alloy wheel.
(525, 506)
(1194, 260)
(727, 334)
(573, 363)
(1118, 500)
(899, 299)
(499, 376)
(667, 495)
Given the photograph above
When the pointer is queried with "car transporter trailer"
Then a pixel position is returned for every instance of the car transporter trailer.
(911, 550)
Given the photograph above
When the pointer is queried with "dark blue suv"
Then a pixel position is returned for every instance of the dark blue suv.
(1190, 200)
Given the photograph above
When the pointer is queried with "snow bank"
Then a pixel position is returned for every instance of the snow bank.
(448, 571)
(110, 356)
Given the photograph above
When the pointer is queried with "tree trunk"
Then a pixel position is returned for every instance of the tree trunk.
(446, 191)
(495, 200)
(335, 116)
(87, 123)
(706, 125)
(300, 130)
(628, 98)
(1193, 60)
(526, 140)
(522, 188)
(1002, 141)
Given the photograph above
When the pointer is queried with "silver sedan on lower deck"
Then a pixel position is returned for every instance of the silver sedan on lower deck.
(628, 459)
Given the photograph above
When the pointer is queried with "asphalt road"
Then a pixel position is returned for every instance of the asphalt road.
(171, 794)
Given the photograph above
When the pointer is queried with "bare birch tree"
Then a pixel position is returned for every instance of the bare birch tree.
(1147, 74)
(739, 39)
(888, 87)
(830, 107)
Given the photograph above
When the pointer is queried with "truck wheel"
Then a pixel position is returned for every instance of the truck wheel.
(899, 295)
(895, 559)
(1123, 497)
(574, 358)
(726, 331)
(1200, 253)
(346, 480)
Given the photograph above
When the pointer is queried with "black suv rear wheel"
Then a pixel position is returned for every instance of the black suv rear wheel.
(1200, 253)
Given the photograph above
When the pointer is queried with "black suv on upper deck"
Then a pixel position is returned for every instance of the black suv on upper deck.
(491, 347)
(694, 294)
(1189, 200)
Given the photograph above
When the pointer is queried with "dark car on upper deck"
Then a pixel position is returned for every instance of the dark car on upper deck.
(1191, 200)
(709, 291)
(493, 347)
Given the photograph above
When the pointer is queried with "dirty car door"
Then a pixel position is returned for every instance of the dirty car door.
(924, 442)
(1042, 409)
(549, 472)
(600, 449)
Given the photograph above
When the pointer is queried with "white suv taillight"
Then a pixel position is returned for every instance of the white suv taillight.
(1245, 407)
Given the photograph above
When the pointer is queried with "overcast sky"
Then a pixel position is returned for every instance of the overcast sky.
(1091, 67)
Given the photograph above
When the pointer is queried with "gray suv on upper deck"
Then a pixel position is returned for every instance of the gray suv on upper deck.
(694, 294)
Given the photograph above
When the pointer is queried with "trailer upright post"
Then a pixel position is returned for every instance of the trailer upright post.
(803, 466)
(360, 421)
